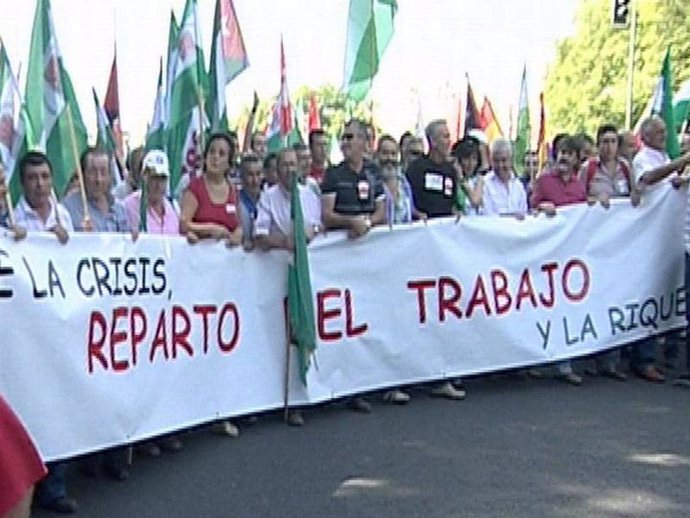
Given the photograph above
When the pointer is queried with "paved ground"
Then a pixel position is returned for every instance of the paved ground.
(514, 447)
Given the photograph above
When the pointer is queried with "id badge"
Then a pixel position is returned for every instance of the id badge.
(433, 182)
(363, 190)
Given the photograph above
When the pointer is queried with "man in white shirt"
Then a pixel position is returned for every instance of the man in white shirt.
(651, 165)
(273, 225)
(504, 193)
(38, 210)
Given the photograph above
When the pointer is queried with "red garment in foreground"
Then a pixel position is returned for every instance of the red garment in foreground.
(20, 465)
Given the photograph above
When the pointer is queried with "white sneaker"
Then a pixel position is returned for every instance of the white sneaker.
(447, 390)
(396, 397)
(227, 428)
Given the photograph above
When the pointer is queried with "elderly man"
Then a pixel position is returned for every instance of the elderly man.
(104, 215)
(504, 193)
(651, 165)
(433, 177)
(433, 181)
(318, 146)
(273, 227)
(251, 173)
(39, 211)
(161, 216)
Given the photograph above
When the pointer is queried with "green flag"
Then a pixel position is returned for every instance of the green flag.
(189, 84)
(228, 59)
(51, 105)
(300, 294)
(681, 106)
(369, 31)
(665, 111)
(13, 121)
(524, 130)
(155, 136)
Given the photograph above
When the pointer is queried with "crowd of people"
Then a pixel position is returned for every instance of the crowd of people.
(243, 199)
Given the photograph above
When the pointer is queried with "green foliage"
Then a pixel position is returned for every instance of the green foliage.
(335, 109)
(586, 85)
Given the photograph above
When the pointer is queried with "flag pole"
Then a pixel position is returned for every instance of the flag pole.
(10, 209)
(80, 173)
(286, 387)
(631, 65)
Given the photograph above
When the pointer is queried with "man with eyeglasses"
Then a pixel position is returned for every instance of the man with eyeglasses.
(352, 198)
(411, 151)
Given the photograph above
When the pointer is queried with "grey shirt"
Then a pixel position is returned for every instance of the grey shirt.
(114, 220)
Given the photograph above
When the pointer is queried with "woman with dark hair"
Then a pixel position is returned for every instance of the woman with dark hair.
(470, 184)
(209, 204)
(209, 209)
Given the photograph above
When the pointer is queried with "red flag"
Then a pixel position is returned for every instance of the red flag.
(489, 122)
(286, 116)
(112, 107)
(314, 117)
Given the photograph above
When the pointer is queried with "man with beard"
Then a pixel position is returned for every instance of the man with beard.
(556, 188)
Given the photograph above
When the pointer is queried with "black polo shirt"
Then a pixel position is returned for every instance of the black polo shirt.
(433, 186)
(355, 193)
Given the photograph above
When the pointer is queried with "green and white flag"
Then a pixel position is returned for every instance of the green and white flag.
(369, 31)
(681, 105)
(105, 140)
(12, 123)
(155, 135)
(187, 118)
(300, 293)
(228, 59)
(663, 106)
(524, 130)
(51, 104)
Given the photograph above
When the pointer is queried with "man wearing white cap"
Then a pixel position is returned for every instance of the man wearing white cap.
(161, 217)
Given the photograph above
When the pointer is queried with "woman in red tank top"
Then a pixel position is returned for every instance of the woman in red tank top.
(209, 205)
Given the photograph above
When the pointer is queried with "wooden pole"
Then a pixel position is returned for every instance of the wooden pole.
(286, 387)
(80, 174)
(631, 66)
(10, 210)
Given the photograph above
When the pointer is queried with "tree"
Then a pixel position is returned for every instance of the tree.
(586, 85)
(334, 106)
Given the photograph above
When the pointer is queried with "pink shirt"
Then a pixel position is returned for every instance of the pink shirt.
(169, 223)
(551, 187)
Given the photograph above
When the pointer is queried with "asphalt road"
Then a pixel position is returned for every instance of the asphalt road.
(518, 448)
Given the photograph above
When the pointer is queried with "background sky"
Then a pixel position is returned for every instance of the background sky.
(436, 42)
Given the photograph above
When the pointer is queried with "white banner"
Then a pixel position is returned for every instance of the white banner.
(108, 342)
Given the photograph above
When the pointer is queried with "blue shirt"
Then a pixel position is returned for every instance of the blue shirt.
(114, 220)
